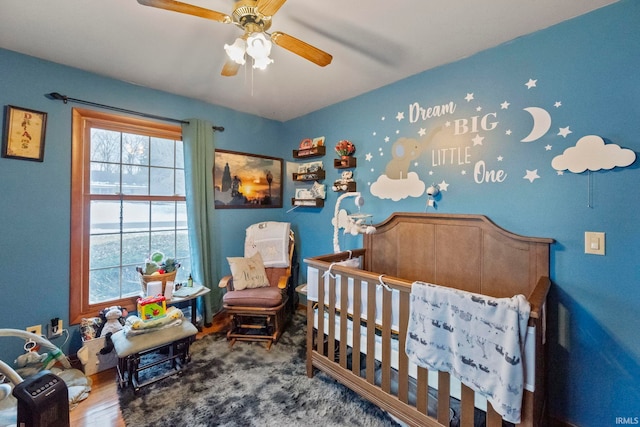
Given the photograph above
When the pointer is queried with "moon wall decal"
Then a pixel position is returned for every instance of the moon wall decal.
(541, 123)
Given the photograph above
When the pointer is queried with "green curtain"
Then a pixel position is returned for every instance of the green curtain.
(198, 140)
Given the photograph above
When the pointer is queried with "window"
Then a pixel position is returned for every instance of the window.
(127, 201)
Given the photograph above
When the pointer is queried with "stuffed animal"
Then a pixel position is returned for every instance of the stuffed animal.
(113, 320)
(342, 184)
(30, 363)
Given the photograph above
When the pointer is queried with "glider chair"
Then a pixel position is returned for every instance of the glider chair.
(260, 289)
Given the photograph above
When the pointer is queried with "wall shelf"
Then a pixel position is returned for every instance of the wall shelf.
(309, 203)
(345, 163)
(318, 151)
(316, 176)
(350, 186)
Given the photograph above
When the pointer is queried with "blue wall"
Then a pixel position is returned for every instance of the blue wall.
(588, 64)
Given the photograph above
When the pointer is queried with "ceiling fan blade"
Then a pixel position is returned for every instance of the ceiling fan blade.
(301, 48)
(230, 68)
(189, 9)
(269, 7)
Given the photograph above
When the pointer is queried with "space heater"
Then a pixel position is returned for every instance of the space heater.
(43, 401)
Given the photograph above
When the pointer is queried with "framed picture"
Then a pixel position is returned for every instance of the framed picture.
(246, 181)
(24, 132)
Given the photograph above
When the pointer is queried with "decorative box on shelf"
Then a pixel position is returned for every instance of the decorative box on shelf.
(312, 203)
(345, 162)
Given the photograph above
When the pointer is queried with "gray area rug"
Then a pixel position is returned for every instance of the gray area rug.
(249, 386)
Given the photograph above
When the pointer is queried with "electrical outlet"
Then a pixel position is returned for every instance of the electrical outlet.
(35, 329)
(54, 328)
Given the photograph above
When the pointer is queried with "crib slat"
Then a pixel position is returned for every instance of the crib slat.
(309, 338)
(466, 407)
(320, 326)
(386, 341)
(422, 390)
(493, 418)
(331, 333)
(344, 294)
(371, 332)
(357, 310)
(444, 386)
(403, 360)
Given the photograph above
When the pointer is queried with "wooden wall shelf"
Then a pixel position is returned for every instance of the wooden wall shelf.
(345, 163)
(318, 151)
(317, 176)
(351, 186)
(308, 203)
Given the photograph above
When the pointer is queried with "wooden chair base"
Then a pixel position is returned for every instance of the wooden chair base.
(247, 325)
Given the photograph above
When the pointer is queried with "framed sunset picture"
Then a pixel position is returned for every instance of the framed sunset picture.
(246, 181)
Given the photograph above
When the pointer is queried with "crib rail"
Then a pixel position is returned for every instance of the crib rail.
(328, 348)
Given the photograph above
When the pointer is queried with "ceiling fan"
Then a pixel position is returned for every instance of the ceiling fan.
(254, 18)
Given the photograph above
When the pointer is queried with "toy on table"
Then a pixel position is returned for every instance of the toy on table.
(152, 307)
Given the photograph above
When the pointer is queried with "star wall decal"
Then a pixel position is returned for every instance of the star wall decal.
(531, 175)
(368, 157)
(400, 116)
(469, 97)
(443, 186)
(504, 105)
(531, 83)
(547, 147)
(422, 132)
(477, 140)
(557, 104)
(563, 132)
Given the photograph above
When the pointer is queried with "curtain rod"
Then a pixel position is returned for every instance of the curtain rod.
(57, 96)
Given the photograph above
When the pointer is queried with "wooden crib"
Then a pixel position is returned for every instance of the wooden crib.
(467, 252)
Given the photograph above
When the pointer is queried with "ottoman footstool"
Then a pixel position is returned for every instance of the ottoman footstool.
(172, 344)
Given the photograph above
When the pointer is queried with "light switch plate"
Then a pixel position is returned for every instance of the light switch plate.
(594, 243)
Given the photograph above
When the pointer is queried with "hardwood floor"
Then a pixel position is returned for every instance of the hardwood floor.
(101, 408)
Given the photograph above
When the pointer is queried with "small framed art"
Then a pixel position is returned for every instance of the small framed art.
(24, 132)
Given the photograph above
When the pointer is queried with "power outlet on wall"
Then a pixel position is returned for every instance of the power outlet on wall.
(35, 329)
(54, 328)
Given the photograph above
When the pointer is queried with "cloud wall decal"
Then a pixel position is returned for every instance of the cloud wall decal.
(591, 152)
(398, 189)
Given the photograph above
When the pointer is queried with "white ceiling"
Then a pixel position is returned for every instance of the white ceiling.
(373, 43)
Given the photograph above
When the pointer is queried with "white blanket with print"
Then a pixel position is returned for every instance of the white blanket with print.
(478, 339)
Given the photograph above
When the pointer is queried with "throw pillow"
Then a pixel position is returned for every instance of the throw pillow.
(248, 272)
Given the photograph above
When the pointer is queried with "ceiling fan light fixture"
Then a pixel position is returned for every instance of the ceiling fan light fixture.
(236, 50)
(261, 63)
(258, 46)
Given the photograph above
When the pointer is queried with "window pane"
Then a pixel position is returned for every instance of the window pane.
(135, 249)
(163, 216)
(104, 251)
(135, 179)
(135, 216)
(105, 178)
(130, 282)
(161, 182)
(165, 242)
(162, 152)
(135, 149)
(104, 285)
(105, 146)
(181, 215)
(180, 188)
(179, 154)
(105, 217)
